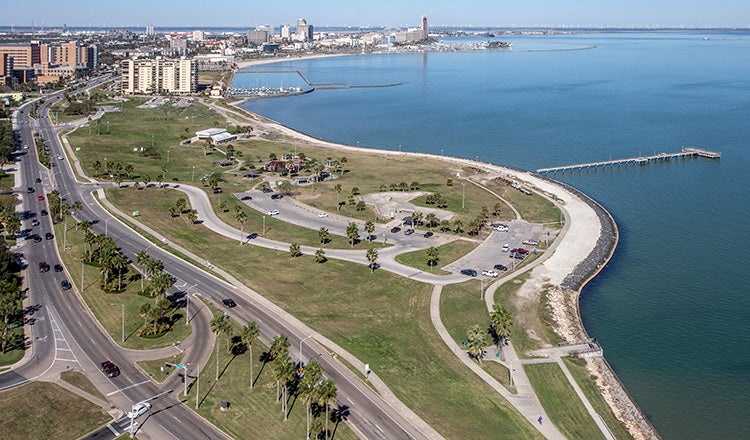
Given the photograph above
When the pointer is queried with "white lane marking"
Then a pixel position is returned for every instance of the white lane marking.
(114, 431)
(128, 387)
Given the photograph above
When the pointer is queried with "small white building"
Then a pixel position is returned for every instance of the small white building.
(209, 132)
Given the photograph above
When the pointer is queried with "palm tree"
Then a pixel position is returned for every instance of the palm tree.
(337, 188)
(284, 373)
(324, 236)
(160, 283)
(181, 204)
(308, 390)
(320, 256)
(141, 259)
(433, 256)
(501, 321)
(352, 232)
(476, 338)
(369, 229)
(220, 326)
(279, 345)
(372, 258)
(97, 167)
(431, 220)
(249, 334)
(326, 396)
(294, 250)
(241, 219)
(192, 215)
(119, 262)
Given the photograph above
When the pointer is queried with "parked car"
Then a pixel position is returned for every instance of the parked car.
(29, 190)
(273, 212)
(35, 222)
(43, 266)
(37, 239)
(58, 268)
(228, 302)
(500, 267)
(38, 180)
(469, 272)
(43, 212)
(65, 285)
(49, 236)
(59, 157)
(505, 248)
(409, 231)
(428, 234)
(521, 251)
(395, 229)
(40, 198)
(110, 369)
(267, 190)
(530, 242)
(490, 273)
(517, 255)
(277, 196)
(138, 409)
(323, 215)
(246, 198)
(501, 228)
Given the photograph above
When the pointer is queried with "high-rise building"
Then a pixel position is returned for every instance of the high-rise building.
(159, 76)
(286, 32)
(150, 30)
(199, 35)
(304, 30)
(258, 37)
(424, 30)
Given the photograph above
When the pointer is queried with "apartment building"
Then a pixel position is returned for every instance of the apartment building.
(159, 75)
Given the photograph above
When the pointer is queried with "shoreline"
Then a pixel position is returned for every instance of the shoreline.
(589, 262)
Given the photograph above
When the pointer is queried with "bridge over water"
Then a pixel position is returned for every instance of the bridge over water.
(685, 153)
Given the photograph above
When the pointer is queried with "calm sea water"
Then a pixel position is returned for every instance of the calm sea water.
(672, 308)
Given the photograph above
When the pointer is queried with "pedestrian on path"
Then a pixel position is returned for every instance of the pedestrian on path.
(540, 420)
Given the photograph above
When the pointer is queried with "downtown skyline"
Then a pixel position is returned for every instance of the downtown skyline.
(388, 13)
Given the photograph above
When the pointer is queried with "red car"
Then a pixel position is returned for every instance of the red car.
(110, 369)
(40, 198)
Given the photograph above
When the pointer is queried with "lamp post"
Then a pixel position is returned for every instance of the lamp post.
(106, 226)
(463, 194)
(123, 317)
(83, 286)
(300, 345)
(198, 386)
(61, 203)
(264, 225)
(187, 304)
(192, 175)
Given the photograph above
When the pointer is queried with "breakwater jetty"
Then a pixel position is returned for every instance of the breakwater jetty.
(686, 152)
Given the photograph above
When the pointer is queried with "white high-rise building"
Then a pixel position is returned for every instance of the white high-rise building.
(304, 31)
(199, 35)
(150, 30)
(159, 76)
(286, 32)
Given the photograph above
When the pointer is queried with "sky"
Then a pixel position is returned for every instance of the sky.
(404, 13)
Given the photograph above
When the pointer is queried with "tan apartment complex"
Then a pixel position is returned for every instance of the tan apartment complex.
(159, 75)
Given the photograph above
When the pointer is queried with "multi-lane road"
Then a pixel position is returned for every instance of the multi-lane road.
(62, 320)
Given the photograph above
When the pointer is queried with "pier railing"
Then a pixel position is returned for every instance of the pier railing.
(640, 160)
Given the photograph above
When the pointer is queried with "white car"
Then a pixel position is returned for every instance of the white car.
(59, 157)
(273, 212)
(506, 248)
(138, 409)
(323, 215)
(530, 242)
(501, 228)
(490, 273)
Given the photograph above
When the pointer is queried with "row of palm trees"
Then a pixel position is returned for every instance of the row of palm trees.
(304, 382)
(477, 337)
(102, 252)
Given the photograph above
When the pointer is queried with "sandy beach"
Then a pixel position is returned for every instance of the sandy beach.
(585, 245)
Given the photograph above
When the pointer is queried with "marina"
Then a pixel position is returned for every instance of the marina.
(685, 153)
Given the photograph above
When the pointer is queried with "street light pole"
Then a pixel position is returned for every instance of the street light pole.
(300, 345)
(198, 387)
(264, 225)
(187, 305)
(123, 319)
(463, 194)
(106, 226)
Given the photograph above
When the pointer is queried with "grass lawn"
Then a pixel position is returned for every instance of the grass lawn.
(560, 401)
(379, 317)
(45, 410)
(577, 367)
(533, 208)
(460, 308)
(80, 381)
(107, 307)
(500, 373)
(447, 254)
(252, 413)
(15, 352)
(157, 370)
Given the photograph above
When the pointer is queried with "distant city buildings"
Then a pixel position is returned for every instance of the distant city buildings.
(414, 34)
(159, 75)
(47, 62)
(199, 35)
(304, 31)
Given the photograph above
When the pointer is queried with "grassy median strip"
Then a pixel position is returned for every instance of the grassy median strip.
(80, 381)
(381, 318)
(108, 307)
(447, 254)
(157, 369)
(45, 410)
(577, 367)
(560, 401)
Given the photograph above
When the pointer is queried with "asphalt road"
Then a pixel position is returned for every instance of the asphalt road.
(168, 418)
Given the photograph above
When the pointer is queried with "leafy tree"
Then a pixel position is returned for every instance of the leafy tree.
(355, 191)
(361, 206)
(352, 232)
(449, 182)
(414, 186)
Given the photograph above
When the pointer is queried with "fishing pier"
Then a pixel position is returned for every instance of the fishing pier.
(687, 152)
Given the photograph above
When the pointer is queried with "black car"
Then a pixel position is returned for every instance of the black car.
(58, 268)
(500, 267)
(110, 369)
(428, 234)
(49, 236)
(246, 198)
(37, 239)
(65, 284)
(409, 231)
(43, 266)
(38, 180)
(43, 212)
(395, 229)
(276, 196)
(29, 190)
(228, 302)
(267, 190)
(469, 272)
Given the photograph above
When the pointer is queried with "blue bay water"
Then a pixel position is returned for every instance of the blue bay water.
(672, 307)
